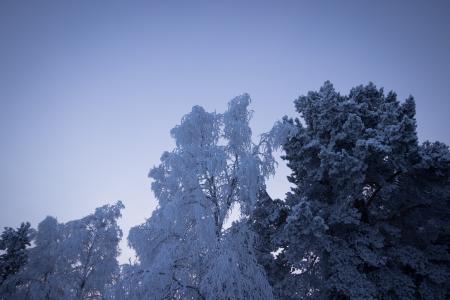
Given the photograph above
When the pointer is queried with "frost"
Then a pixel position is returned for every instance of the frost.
(214, 167)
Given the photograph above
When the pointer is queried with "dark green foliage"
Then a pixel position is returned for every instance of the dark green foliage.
(14, 243)
(369, 215)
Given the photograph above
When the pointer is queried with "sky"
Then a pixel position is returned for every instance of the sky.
(89, 90)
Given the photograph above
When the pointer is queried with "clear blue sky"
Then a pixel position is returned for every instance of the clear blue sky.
(90, 89)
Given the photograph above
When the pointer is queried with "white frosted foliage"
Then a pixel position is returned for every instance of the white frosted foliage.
(214, 166)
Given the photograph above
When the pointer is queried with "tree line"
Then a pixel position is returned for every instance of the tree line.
(368, 216)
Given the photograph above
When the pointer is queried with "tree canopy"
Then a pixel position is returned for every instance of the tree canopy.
(368, 216)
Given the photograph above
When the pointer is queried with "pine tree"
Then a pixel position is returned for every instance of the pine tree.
(14, 243)
(369, 215)
(266, 221)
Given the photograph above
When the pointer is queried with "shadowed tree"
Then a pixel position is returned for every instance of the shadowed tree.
(369, 215)
(13, 242)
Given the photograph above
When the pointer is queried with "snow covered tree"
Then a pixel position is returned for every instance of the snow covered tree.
(75, 260)
(125, 283)
(234, 272)
(43, 277)
(369, 217)
(13, 242)
(183, 250)
(91, 247)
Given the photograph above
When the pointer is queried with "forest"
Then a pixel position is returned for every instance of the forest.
(368, 216)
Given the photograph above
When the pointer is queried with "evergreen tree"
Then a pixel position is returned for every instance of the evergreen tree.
(267, 219)
(13, 242)
(369, 215)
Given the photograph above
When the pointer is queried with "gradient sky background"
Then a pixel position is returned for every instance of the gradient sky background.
(90, 89)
